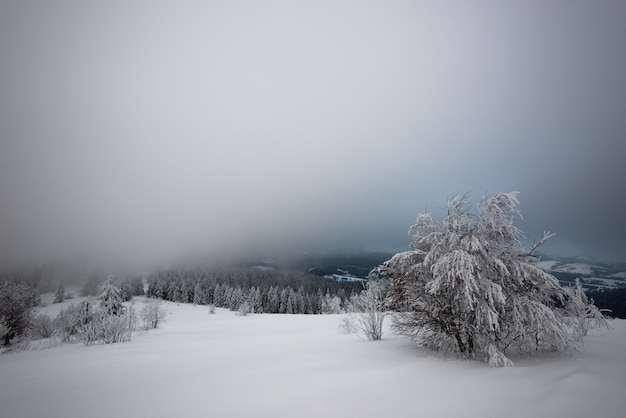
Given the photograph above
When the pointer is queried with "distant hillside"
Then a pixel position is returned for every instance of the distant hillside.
(604, 283)
(355, 264)
(592, 275)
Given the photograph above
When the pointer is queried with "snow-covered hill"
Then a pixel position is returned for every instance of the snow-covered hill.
(591, 275)
(223, 365)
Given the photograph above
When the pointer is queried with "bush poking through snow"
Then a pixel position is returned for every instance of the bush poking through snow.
(152, 314)
(108, 329)
(368, 307)
(585, 315)
(366, 312)
(68, 322)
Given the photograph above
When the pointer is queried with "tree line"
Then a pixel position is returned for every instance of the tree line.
(262, 290)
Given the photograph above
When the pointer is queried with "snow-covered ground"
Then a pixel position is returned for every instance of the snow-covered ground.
(224, 365)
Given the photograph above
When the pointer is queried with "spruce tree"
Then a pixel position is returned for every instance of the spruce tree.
(59, 296)
(111, 298)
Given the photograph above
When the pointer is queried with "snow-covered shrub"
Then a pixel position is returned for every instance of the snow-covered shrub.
(469, 286)
(110, 322)
(153, 313)
(102, 327)
(107, 329)
(68, 322)
(368, 309)
(584, 315)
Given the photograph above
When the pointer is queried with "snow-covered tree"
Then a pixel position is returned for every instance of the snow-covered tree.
(469, 286)
(111, 298)
(59, 295)
(331, 304)
(16, 303)
(198, 295)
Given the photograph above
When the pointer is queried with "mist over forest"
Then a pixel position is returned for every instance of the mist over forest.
(152, 134)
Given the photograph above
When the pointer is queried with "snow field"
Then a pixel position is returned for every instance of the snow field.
(223, 365)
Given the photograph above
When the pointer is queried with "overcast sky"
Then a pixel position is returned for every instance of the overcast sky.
(156, 130)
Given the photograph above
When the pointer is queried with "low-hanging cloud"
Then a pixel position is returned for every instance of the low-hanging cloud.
(159, 130)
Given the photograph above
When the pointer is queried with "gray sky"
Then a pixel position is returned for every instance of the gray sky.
(153, 130)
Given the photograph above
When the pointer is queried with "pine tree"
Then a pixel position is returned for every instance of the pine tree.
(59, 296)
(198, 295)
(469, 286)
(111, 298)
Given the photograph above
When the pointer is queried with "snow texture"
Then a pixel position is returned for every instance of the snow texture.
(224, 365)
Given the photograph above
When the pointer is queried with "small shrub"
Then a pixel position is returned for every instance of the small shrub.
(106, 329)
(369, 310)
(66, 325)
(153, 314)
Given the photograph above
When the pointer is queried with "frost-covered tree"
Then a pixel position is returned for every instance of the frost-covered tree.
(16, 303)
(59, 295)
(468, 285)
(198, 295)
(331, 304)
(111, 298)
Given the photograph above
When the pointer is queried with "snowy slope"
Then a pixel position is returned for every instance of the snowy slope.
(576, 268)
(223, 365)
(591, 275)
